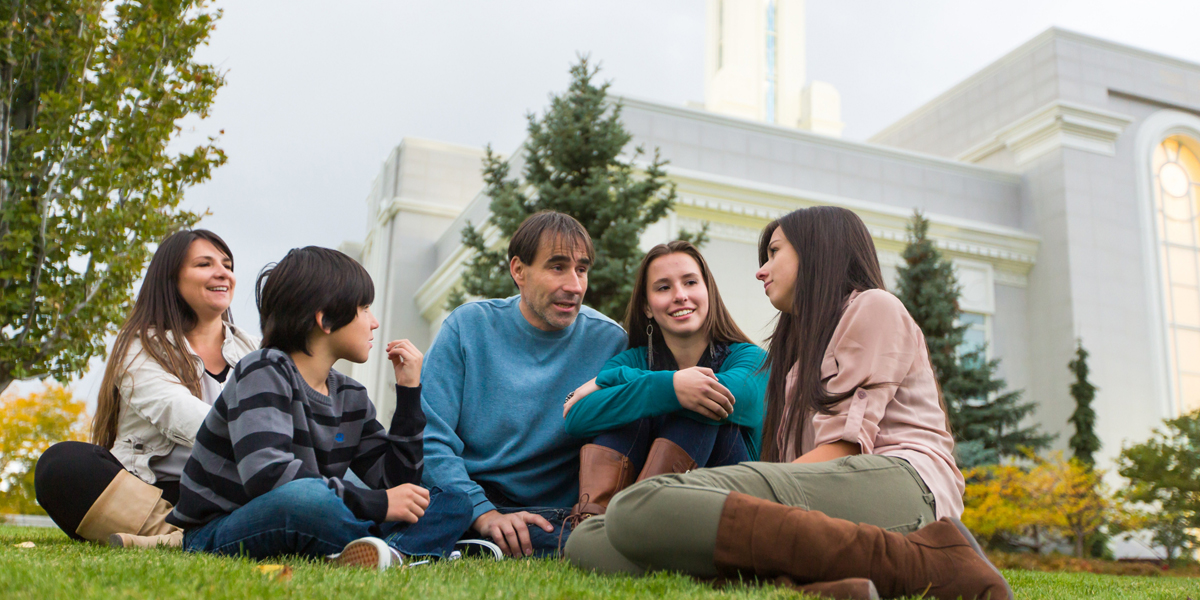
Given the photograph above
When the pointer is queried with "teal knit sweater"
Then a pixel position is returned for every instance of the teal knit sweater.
(630, 391)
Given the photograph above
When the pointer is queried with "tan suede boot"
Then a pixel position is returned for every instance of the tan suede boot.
(128, 540)
(602, 473)
(665, 457)
(942, 560)
(130, 506)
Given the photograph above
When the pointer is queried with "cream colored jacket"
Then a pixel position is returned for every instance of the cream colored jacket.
(157, 410)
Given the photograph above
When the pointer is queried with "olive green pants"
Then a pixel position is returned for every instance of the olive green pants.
(670, 522)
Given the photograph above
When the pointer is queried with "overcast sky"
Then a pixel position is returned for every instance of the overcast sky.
(318, 93)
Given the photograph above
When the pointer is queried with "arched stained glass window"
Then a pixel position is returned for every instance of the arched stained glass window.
(1177, 203)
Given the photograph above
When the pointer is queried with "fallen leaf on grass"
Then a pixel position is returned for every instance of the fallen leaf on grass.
(25, 545)
(276, 572)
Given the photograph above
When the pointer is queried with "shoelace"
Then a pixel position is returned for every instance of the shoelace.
(573, 520)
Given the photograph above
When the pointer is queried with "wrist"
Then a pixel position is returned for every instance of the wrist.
(482, 520)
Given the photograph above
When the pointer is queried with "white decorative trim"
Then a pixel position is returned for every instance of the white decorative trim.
(736, 210)
(431, 297)
(439, 146)
(388, 208)
(906, 156)
(1059, 124)
(1151, 133)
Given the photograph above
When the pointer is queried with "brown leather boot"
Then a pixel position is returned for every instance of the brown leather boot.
(767, 539)
(602, 473)
(127, 505)
(846, 589)
(665, 457)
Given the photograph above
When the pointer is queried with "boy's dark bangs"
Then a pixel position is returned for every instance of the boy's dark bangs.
(360, 286)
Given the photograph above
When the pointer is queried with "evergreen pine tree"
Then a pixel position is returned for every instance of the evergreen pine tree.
(985, 422)
(1084, 443)
(572, 164)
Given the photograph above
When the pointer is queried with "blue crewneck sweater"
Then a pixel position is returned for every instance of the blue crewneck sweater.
(493, 388)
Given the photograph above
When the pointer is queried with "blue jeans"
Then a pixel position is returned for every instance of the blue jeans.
(708, 445)
(545, 544)
(306, 518)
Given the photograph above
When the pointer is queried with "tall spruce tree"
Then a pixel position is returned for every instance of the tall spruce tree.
(573, 165)
(986, 422)
(1084, 443)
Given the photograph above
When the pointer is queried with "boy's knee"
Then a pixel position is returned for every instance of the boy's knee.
(304, 497)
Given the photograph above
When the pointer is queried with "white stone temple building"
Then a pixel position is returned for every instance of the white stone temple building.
(1062, 180)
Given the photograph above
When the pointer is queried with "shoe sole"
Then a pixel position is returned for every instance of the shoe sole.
(115, 541)
(966, 533)
(362, 555)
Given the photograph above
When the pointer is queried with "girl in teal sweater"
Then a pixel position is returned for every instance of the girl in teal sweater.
(688, 393)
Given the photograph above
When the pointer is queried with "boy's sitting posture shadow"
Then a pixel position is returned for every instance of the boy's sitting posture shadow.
(265, 475)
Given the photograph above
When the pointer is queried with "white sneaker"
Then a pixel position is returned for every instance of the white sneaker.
(480, 548)
(370, 553)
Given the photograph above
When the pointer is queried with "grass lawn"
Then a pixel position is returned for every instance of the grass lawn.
(59, 568)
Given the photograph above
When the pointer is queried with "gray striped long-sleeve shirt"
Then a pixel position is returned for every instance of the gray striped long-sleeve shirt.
(269, 427)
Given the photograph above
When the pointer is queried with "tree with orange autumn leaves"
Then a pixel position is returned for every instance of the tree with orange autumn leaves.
(1036, 504)
(28, 425)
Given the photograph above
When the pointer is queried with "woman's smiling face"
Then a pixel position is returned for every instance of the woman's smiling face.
(206, 280)
(676, 296)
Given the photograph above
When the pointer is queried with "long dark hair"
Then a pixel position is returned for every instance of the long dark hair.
(718, 327)
(159, 309)
(837, 257)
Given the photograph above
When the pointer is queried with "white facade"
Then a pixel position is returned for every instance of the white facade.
(1037, 174)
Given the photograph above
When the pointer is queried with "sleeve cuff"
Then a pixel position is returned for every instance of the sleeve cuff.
(408, 419)
(369, 505)
(852, 431)
(481, 506)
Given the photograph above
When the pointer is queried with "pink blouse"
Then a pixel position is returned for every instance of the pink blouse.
(877, 342)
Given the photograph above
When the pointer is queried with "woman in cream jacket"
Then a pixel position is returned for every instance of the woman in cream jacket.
(167, 367)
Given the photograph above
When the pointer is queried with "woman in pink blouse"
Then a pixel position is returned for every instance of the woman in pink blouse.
(859, 493)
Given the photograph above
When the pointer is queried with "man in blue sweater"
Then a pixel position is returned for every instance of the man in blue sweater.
(495, 380)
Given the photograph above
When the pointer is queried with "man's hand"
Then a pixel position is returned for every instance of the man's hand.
(406, 360)
(699, 391)
(511, 532)
(579, 393)
(407, 503)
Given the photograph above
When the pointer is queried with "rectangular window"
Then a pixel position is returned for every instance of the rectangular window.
(770, 116)
(976, 336)
(720, 34)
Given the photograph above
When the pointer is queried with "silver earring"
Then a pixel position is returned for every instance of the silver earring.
(650, 346)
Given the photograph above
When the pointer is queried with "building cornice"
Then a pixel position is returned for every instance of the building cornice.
(901, 155)
(736, 210)
(1046, 37)
(1059, 124)
(388, 208)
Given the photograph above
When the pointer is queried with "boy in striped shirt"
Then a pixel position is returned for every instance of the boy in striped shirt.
(266, 474)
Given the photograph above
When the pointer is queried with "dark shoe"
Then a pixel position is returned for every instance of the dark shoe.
(766, 539)
(602, 473)
(666, 457)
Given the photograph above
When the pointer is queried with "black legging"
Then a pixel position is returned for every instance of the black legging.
(70, 476)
